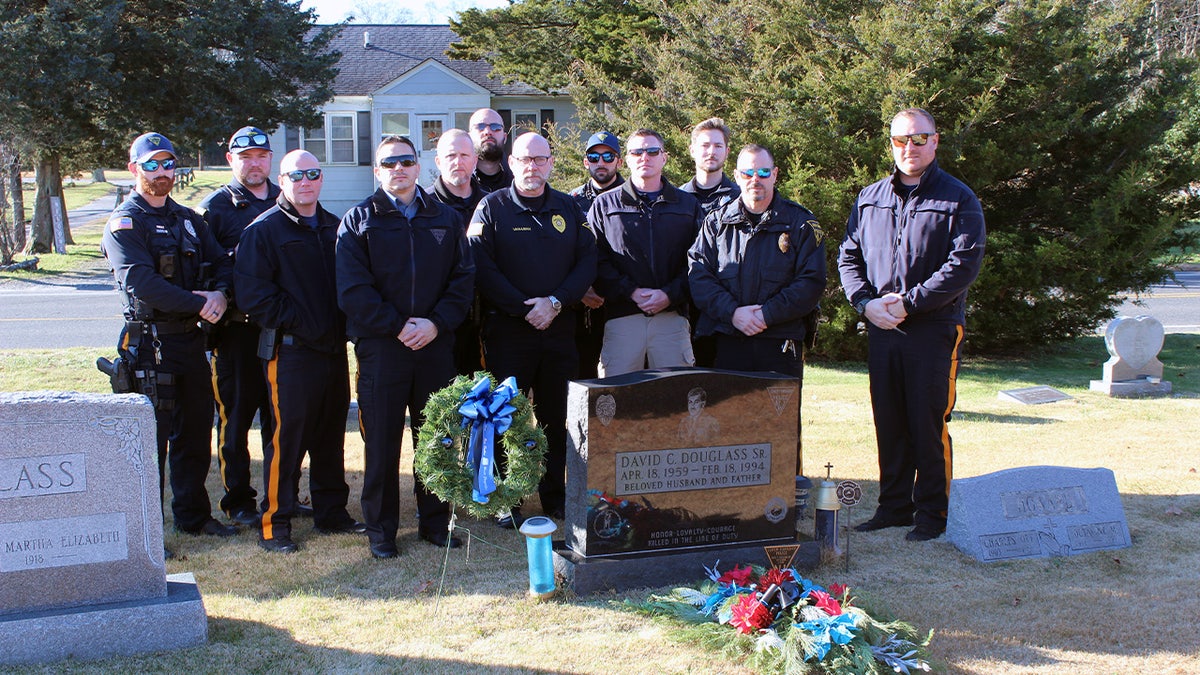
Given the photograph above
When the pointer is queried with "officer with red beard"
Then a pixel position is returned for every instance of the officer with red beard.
(488, 132)
(163, 257)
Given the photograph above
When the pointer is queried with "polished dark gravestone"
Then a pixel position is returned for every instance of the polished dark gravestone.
(669, 470)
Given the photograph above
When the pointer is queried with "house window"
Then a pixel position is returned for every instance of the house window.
(431, 131)
(462, 120)
(523, 121)
(334, 142)
(393, 124)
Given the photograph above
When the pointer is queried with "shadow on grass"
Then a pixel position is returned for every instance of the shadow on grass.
(968, 416)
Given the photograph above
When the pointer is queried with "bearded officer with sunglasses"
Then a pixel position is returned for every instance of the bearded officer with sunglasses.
(162, 256)
(240, 389)
(405, 281)
(643, 231)
(486, 128)
(285, 281)
(914, 244)
(602, 160)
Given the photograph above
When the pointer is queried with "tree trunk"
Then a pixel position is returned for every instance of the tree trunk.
(6, 244)
(18, 199)
(49, 187)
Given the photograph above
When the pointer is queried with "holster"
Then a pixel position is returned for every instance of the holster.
(268, 343)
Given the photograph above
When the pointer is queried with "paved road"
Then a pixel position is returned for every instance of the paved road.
(1176, 303)
(82, 309)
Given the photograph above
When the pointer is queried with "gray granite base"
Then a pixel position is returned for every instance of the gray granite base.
(177, 621)
(620, 573)
(1132, 388)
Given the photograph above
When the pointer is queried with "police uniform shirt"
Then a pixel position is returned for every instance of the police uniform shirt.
(229, 210)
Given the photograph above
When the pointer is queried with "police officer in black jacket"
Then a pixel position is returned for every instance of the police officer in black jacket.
(285, 281)
(405, 281)
(239, 386)
(458, 188)
(534, 258)
(172, 274)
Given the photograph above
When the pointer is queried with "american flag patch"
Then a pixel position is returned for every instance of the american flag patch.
(121, 223)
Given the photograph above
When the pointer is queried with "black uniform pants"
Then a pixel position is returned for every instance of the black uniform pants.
(183, 420)
(913, 378)
(310, 396)
(241, 392)
(543, 362)
(761, 354)
(394, 380)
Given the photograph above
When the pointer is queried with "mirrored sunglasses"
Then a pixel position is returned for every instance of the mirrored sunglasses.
(249, 141)
(494, 126)
(764, 172)
(154, 164)
(311, 174)
(638, 152)
(403, 160)
(916, 139)
(597, 157)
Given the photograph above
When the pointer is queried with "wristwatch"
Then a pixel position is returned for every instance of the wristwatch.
(554, 302)
(861, 305)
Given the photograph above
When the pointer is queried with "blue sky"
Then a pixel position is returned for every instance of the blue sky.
(419, 11)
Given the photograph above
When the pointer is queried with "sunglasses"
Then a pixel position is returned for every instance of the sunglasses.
(494, 126)
(916, 139)
(403, 160)
(763, 172)
(597, 157)
(249, 141)
(638, 152)
(539, 160)
(154, 164)
(311, 174)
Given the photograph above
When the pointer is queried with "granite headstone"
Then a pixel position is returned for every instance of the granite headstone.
(1036, 512)
(1133, 368)
(673, 468)
(81, 538)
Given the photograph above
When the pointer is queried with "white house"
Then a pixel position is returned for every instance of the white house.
(397, 79)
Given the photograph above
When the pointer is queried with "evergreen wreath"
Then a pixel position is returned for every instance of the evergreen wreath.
(440, 458)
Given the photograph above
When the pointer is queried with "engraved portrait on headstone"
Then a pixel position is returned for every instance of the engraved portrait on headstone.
(698, 427)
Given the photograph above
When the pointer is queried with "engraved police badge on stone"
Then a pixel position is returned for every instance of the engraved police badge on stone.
(559, 222)
(606, 408)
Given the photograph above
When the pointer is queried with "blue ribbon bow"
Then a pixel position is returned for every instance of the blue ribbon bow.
(489, 415)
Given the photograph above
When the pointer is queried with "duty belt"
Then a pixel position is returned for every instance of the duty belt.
(163, 327)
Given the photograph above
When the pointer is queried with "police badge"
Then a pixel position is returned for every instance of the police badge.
(784, 242)
(559, 222)
(187, 225)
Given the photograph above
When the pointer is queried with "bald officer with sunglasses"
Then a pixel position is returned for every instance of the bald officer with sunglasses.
(240, 389)
(486, 128)
(285, 281)
(914, 244)
(405, 281)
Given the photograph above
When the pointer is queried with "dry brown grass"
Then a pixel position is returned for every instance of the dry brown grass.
(331, 608)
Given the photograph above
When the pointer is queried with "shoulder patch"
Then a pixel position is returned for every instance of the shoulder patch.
(817, 231)
(475, 229)
(120, 223)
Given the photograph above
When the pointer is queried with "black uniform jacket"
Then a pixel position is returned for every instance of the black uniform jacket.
(928, 248)
(285, 277)
(521, 253)
(586, 194)
(779, 264)
(230, 209)
(723, 194)
(464, 206)
(390, 268)
(156, 257)
(643, 247)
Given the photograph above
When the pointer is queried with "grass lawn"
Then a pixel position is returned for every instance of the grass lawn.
(333, 608)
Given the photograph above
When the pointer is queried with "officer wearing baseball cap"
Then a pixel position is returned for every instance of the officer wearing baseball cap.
(602, 160)
(172, 275)
(241, 389)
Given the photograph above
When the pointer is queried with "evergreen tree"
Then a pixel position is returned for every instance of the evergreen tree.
(1075, 128)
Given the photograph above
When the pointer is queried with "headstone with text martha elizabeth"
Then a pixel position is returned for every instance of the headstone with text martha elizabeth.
(81, 537)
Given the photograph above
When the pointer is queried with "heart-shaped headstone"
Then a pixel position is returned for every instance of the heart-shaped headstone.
(1136, 341)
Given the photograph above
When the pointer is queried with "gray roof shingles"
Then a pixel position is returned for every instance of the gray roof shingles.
(397, 49)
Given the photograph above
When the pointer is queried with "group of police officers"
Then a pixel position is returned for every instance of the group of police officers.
(493, 268)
